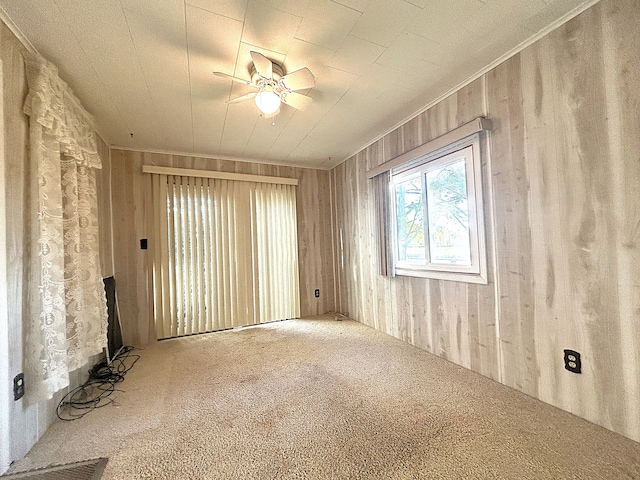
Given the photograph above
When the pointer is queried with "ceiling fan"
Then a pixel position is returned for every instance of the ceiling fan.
(273, 87)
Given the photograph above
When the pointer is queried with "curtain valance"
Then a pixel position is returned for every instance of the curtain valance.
(52, 104)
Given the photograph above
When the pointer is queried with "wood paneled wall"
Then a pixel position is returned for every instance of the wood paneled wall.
(103, 183)
(19, 417)
(561, 175)
(130, 225)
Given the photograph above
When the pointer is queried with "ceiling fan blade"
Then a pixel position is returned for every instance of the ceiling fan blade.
(299, 80)
(296, 100)
(235, 79)
(263, 65)
(242, 98)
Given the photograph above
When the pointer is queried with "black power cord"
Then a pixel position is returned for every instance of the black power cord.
(97, 390)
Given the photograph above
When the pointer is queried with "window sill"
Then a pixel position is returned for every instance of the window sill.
(477, 278)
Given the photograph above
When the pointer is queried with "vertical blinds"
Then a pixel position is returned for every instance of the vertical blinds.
(224, 254)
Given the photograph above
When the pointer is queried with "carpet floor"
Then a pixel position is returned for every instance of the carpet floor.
(325, 399)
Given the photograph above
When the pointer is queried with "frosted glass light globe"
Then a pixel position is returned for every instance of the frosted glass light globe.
(267, 102)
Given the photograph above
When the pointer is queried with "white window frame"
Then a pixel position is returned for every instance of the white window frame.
(469, 148)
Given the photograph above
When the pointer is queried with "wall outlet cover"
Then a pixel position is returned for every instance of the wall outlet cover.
(572, 361)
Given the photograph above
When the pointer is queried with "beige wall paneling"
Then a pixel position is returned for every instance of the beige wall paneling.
(622, 90)
(377, 304)
(450, 304)
(552, 326)
(103, 184)
(338, 179)
(140, 275)
(460, 316)
(314, 240)
(6, 383)
(130, 225)
(364, 239)
(130, 204)
(592, 235)
(561, 172)
(350, 282)
(393, 146)
(380, 301)
(337, 193)
(482, 299)
(516, 309)
(23, 419)
(352, 274)
(435, 315)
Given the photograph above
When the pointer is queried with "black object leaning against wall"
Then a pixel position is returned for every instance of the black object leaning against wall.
(114, 330)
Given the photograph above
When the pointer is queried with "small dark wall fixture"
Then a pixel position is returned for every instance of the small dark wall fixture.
(18, 386)
(572, 361)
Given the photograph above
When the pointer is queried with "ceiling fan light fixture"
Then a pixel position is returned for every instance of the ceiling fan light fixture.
(273, 87)
(267, 102)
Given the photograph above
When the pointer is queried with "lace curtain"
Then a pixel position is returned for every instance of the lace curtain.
(66, 310)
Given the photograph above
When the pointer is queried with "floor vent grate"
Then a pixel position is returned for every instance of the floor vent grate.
(86, 470)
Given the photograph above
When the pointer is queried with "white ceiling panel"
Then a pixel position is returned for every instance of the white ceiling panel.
(414, 82)
(296, 132)
(107, 42)
(303, 54)
(327, 24)
(384, 20)
(547, 15)
(508, 36)
(172, 10)
(144, 67)
(53, 30)
(452, 53)
(103, 33)
(406, 52)
(331, 85)
(208, 125)
(213, 42)
(266, 132)
(498, 14)
(357, 5)
(235, 9)
(436, 19)
(268, 28)
(355, 55)
(294, 7)
(160, 43)
(76, 70)
(240, 120)
(343, 121)
(375, 80)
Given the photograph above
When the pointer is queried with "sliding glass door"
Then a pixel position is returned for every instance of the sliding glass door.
(224, 254)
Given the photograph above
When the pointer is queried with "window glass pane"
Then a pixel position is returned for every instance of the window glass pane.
(410, 220)
(448, 215)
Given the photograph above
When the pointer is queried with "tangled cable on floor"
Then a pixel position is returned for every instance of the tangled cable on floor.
(97, 390)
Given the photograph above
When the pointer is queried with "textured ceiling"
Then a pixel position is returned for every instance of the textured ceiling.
(144, 67)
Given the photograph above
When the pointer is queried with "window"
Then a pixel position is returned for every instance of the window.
(438, 222)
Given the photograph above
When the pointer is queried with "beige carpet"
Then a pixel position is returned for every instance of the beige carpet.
(323, 399)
